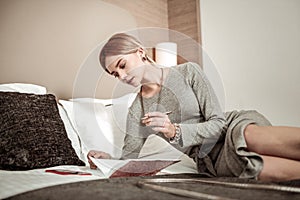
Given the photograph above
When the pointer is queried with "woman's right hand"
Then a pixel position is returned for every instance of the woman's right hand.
(96, 154)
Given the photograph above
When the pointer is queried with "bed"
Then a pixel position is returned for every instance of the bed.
(44, 141)
(61, 128)
(41, 135)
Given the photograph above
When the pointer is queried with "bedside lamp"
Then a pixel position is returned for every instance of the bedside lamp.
(166, 54)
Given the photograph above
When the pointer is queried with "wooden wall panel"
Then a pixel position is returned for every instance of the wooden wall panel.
(148, 13)
(184, 17)
(179, 15)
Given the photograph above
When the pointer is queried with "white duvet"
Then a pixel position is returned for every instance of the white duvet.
(90, 124)
(17, 182)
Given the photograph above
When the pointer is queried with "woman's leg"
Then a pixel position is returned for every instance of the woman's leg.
(279, 148)
(279, 169)
(277, 141)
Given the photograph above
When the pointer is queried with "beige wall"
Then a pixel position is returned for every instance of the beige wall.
(56, 43)
(255, 46)
(45, 42)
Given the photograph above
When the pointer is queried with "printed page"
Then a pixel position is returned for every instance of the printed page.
(131, 167)
(155, 149)
(108, 166)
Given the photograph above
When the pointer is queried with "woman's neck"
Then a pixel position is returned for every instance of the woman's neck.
(154, 86)
(149, 90)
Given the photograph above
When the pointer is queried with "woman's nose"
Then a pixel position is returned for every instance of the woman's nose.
(122, 75)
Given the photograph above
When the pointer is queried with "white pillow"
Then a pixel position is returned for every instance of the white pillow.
(84, 120)
(108, 115)
(23, 88)
(71, 132)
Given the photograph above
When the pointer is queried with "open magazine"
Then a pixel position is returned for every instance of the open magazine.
(131, 167)
(156, 156)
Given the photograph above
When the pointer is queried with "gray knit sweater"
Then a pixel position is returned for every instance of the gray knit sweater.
(188, 94)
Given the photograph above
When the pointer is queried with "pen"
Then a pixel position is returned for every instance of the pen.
(168, 112)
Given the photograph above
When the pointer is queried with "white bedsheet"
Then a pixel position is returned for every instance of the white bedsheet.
(17, 182)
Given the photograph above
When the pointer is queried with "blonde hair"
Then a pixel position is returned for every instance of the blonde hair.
(121, 44)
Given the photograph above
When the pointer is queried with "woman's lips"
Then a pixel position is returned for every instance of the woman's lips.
(130, 81)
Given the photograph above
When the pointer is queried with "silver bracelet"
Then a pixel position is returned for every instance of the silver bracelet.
(177, 136)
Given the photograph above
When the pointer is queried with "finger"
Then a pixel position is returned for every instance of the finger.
(143, 118)
(149, 121)
(146, 120)
(156, 118)
(146, 117)
(158, 123)
(100, 155)
(90, 161)
(155, 114)
(154, 121)
(92, 165)
(90, 154)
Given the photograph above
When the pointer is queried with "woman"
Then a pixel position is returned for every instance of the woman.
(179, 104)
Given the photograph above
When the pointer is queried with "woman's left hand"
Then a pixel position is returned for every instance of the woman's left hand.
(97, 154)
(159, 122)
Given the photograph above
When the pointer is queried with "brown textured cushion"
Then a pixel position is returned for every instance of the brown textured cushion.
(32, 134)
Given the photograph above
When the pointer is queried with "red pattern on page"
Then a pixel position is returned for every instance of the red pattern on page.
(141, 168)
(67, 172)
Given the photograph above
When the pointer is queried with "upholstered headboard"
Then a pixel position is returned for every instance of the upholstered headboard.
(46, 42)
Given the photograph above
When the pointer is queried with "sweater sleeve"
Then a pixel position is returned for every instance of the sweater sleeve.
(209, 131)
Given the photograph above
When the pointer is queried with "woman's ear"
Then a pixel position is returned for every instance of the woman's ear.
(141, 52)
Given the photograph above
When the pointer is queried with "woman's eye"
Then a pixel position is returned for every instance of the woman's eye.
(122, 66)
(116, 75)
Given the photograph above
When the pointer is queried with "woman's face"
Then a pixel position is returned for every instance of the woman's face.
(127, 68)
